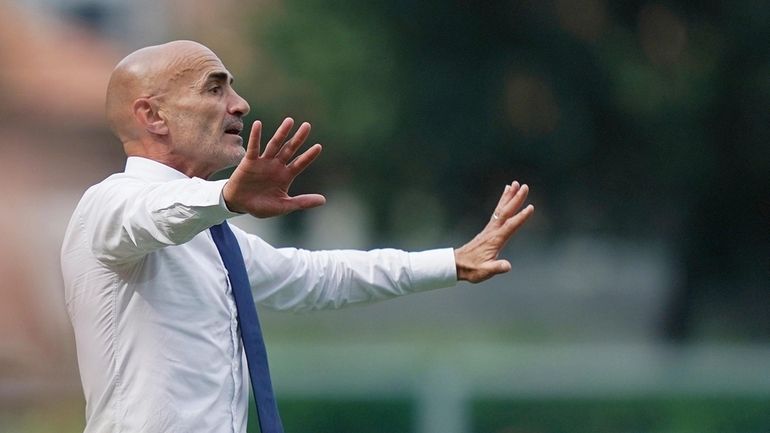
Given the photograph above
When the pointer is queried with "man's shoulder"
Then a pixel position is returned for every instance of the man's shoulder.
(116, 180)
(111, 187)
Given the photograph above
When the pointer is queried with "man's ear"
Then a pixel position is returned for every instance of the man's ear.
(148, 116)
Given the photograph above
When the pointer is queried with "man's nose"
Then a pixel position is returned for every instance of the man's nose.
(238, 106)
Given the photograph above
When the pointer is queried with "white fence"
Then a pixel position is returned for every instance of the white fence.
(444, 380)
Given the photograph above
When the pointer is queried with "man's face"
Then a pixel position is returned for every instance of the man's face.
(203, 112)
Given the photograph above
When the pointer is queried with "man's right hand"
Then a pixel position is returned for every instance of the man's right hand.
(260, 183)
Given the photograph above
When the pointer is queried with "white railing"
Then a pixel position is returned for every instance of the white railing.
(444, 379)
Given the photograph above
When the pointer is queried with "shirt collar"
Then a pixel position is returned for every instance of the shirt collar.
(152, 170)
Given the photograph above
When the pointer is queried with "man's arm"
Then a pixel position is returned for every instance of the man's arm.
(260, 184)
(300, 280)
(127, 218)
(297, 280)
(124, 218)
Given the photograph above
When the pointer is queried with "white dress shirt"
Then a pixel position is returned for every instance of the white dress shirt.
(155, 322)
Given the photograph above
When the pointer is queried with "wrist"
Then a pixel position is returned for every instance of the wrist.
(461, 267)
(227, 203)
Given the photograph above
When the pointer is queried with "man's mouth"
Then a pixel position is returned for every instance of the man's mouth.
(234, 130)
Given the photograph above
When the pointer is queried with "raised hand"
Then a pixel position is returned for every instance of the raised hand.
(477, 260)
(260, 183)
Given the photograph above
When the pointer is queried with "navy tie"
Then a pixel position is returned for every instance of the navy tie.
(251, 333)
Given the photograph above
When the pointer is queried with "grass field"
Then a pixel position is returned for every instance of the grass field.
(661, 414)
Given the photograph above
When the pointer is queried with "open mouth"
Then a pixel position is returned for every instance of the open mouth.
(234, 129)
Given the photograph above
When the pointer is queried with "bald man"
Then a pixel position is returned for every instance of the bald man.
(147, 288)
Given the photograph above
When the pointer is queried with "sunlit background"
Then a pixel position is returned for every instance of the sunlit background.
(639, 299)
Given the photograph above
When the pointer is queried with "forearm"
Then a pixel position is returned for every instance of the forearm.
(297, 280)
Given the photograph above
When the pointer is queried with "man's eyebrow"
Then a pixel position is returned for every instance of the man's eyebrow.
(219, 76)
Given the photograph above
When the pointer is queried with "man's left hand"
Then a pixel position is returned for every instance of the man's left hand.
(478, 259)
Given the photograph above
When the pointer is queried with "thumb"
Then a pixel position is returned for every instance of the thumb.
(498, 266)
(307, 201)
(489, 269)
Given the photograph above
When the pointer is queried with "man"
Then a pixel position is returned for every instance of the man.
(148, 287)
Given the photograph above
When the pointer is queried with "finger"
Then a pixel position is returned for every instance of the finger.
(513, 223)
(505, 197)
(275, 143)
(306, 158)
(510, 208)
(489, 269)
(498, 266)
(252, 148)
(290, 148)
(514, 188)
(306, 201)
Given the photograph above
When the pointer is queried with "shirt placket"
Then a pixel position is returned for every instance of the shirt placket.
(235, 357)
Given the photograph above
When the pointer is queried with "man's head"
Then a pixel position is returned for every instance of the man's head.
(174, 103)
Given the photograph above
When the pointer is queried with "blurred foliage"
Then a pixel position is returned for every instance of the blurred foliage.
(635, 119)
(660, 414)
(375, 415)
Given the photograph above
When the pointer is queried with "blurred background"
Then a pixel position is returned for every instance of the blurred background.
(639, 299)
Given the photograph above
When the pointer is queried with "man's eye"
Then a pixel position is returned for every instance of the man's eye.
(216, 90)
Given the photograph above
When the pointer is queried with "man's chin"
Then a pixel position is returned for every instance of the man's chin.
(234, 156)
(229, 157)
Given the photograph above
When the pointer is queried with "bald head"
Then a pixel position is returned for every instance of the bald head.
(149, 73)
(174, 103)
